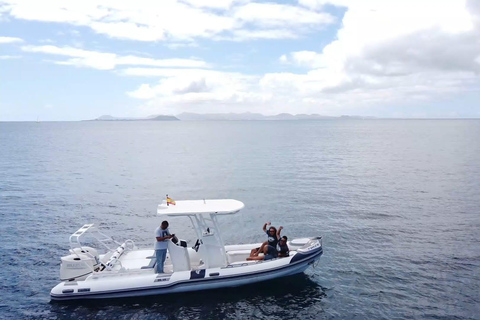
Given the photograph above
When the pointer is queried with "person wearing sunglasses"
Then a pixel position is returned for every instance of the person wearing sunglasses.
(268, 252)
(272, 240)
(282, 247)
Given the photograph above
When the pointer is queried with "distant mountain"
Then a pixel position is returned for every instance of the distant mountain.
(282, 116)
(220, 116)
(105, 118)
(150, 118)
(163, 118)
(248, 116)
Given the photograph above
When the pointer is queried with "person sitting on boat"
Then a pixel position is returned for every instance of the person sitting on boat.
(273, 237)
(269, 252)
(162, 235)
(282, 247)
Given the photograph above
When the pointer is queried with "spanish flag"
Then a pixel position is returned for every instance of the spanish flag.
(170, 201)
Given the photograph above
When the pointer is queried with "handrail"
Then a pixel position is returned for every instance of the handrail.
(116, 255)
(75, 237)
(90, 229)
(93, 231)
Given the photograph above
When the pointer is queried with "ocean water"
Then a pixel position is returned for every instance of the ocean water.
(396, 201)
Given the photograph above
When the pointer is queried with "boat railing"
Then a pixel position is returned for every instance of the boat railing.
(77, 238)
(114, 258)
(111, 258)
(320, 239)
(312, 243)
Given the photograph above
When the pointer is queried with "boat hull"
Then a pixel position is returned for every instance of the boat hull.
(122, 286)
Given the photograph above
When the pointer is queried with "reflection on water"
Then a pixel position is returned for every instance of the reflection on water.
(284, 298)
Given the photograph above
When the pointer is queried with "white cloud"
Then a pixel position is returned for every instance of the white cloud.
(197, 90)
(108, 61)
(175, 83)
(309, 59)
(402, 17)
(278, 15)
(172, 21)
(9, 57)
(213, 4)
(245, 35)
(10, 40)
(386, 51)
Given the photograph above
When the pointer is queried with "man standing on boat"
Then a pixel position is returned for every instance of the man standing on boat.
(162, 235)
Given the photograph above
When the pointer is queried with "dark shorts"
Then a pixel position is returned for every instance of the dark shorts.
(271, 253)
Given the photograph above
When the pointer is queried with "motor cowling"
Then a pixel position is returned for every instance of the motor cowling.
(80, 263)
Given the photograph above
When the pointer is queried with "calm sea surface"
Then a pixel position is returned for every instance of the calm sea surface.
(397, 202)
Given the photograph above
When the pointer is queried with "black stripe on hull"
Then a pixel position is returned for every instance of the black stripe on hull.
(301, 256)
(303, 259)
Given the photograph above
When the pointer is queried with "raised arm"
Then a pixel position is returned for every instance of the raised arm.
(278, 232)
(265, 226)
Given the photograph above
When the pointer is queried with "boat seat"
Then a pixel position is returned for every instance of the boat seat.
(239, 252)
(179, 257)
(237, 255)
(300, 242)
(151, 265)
(243, 263)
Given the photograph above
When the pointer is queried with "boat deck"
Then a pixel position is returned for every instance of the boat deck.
(138, 259)
(143, 259)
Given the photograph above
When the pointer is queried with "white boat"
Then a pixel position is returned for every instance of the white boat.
(127, 271)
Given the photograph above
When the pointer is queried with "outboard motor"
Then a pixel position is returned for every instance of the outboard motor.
(80, 263)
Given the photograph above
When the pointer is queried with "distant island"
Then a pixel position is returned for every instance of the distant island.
(151, 118)
(247, 116)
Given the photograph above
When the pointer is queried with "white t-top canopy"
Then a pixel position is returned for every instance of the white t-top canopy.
(193, 207)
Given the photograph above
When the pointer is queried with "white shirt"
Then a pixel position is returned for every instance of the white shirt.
(159, 232)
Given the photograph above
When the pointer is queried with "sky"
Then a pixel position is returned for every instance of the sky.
(63, 60)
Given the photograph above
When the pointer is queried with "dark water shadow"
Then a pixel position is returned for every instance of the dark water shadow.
(283, 298)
